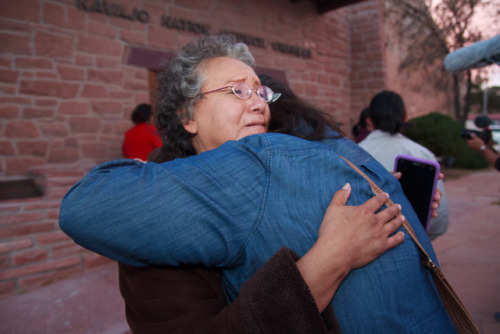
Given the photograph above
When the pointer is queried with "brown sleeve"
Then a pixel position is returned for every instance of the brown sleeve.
(173, 300)
(276, 299)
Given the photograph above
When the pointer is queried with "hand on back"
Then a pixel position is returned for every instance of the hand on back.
(359, 233)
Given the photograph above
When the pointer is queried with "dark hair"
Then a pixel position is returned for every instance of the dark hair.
(387, 111)
(180, 84)
(294, 116)
(141, 113)
(356, 129)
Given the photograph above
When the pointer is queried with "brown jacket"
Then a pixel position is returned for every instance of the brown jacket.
(191, 300)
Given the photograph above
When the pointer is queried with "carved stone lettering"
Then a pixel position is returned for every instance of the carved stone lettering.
(116, 10)
(98, 7)
(142, 16)
(113, 10)
(82, 5)
(184, 25)
(247, 39)
(291, 50)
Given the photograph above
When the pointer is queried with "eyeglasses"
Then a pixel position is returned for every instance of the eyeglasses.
(243, 91)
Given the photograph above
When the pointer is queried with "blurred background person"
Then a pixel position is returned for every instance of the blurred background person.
(360, 130)
(387, 114)
(477, 144)
(140, 140)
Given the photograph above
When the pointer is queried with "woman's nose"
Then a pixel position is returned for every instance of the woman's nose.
(257, 105)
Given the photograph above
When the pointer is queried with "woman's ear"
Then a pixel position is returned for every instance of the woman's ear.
(188, 122)
(191, 126)
(369, 124)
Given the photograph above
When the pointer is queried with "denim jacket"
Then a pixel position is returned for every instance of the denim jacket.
(235, 206)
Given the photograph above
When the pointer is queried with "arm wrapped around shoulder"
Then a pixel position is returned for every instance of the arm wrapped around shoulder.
(270, 298)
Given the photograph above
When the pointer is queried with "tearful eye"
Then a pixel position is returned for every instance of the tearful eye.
(242, 90)
(265, 93)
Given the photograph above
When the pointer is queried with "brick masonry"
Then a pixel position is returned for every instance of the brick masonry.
(66, 93)
(33, 250)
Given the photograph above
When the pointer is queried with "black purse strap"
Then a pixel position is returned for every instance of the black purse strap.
(451, 301)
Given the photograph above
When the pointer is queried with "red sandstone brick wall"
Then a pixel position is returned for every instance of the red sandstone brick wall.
(33, 250)
(66, 94)
(368, 66)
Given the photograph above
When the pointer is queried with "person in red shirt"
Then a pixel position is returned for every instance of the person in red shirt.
(140, 140)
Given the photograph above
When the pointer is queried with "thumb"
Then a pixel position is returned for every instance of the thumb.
(397, 175)
(341, 196)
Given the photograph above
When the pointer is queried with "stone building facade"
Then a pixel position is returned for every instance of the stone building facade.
(71, 72)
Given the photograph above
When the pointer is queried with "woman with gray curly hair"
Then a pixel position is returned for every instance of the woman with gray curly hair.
(179, 89)
(215, 210)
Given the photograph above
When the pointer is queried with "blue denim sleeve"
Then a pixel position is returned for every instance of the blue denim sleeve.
(172, 213)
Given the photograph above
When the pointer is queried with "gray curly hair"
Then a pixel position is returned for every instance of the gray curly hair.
(180, 85)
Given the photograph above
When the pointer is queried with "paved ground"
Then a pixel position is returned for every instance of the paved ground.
(89, 303)
(469, 255)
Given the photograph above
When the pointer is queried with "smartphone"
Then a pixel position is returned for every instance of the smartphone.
(419, 179)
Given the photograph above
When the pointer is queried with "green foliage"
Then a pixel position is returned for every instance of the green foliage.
(441, 135)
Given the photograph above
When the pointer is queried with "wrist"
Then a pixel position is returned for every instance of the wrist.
(323, 272)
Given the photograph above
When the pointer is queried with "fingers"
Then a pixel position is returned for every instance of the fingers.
(392, 225)
(376, 202)
(395, 240)
(389, 214)
(441, 176)
(436, 203)
(437, 195)
(473, 138)
(475, 142)
(341, 196)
